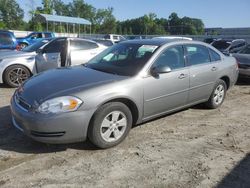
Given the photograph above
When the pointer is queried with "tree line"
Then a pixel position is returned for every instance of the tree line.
(103, 20)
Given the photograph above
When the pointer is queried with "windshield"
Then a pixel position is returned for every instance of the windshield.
(221, 45)
(123, 59)
(35, 46)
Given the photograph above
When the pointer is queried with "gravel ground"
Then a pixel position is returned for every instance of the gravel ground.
(196, 147)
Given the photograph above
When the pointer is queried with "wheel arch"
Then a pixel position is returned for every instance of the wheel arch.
(128, 102)
(14, 65)
(226, 79)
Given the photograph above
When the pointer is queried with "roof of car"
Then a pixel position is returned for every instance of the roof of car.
(157, 42)
(6, 31)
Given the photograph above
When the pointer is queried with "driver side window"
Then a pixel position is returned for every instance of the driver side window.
(172, 57)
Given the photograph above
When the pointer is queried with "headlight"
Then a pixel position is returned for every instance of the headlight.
(60, 105)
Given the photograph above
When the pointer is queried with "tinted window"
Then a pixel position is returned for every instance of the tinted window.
(36, 35)
(35, 46)
(221, 45)
(172, 57)
(5, 39)
(55, 46)
(82, 45)
(47, 35)
(197, 54)
(214, 55)
(123, 59)
(107, 36)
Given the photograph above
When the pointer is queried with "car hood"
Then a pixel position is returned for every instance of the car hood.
(242, 58)
(14, 54)
(63, 81)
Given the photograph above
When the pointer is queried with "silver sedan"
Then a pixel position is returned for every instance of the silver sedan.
(127, 84)
(18, 66)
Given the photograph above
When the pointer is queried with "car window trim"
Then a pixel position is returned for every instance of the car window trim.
(209, 51)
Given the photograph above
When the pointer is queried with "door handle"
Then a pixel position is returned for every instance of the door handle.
(182, 76)
(214, 69)
(53, 57)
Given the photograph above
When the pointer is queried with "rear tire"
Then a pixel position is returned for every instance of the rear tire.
(218, 95)
(110, 125)
(15, 75)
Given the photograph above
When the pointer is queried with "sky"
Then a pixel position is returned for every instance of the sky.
(214, 13)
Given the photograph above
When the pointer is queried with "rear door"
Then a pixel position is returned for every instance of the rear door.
(81, 51)
(203, 71)
(52, 55)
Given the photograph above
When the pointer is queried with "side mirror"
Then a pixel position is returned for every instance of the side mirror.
(161, 69)
(40, 51)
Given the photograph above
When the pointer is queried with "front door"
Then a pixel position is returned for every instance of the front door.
(52, 55)
(167, 91)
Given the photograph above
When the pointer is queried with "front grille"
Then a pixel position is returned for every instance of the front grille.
(21, 102)
(47, 134)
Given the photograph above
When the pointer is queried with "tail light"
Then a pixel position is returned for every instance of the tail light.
(18, 48)
(237, 63)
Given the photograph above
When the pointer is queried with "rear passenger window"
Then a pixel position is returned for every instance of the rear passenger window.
(82, 45)
(214, 55)
(197, 54)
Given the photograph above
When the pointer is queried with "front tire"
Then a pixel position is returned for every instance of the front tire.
(110, 125)
(15, 75)
(218, 95)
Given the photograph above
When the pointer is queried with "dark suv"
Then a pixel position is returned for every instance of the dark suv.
(7, 40)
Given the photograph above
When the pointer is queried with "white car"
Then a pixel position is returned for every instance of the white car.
(65, 51)
(114, 38)
(17, 66)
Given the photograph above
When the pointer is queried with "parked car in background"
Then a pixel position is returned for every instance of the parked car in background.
(17, 66)
(173, 37)
(129, 83)
(243, 58)
(65, 51)
(34, 37)
(229, 46)
(135, 37)
(114, 38)
(8, 41)
(104, 42)
(209, 40)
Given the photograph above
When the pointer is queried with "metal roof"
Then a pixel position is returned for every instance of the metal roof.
(63, 19)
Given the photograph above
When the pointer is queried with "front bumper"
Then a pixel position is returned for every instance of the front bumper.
(51, 128)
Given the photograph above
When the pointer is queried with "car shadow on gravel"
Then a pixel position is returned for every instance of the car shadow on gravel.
(4, 86)
(239, 176)
(243, 81)
(12, 139)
